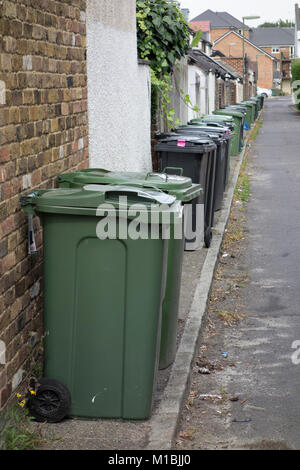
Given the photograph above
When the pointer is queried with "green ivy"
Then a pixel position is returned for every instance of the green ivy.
(163, 34)
(163, 38)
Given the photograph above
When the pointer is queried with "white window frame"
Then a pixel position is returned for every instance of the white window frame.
(275, 50)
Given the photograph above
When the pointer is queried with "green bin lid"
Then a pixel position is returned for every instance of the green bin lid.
(230, 112)
(177, 185)
(86, 200)
(246, 103)
(219, 117)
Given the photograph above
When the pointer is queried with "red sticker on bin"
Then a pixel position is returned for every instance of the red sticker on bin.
(181, 143)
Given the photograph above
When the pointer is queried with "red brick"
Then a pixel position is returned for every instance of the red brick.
(4, 154)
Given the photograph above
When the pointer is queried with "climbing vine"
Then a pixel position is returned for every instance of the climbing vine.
(163, 39)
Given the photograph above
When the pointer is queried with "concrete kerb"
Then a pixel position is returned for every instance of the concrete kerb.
(165, 421)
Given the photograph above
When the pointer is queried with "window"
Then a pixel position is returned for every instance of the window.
(292, 51)
(275, 50)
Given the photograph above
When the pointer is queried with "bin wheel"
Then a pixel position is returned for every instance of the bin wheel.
(208, 237)
(51, 403)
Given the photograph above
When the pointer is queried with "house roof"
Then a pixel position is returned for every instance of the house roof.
(219, 19)
(208, 64)
(246, 40)
(203, 25)
(273, 36)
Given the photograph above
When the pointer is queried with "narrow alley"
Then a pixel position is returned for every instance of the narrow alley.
(244, 390)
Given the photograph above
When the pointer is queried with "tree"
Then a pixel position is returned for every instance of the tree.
(280, 23)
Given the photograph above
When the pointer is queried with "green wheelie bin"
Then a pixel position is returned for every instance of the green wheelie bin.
(226, 121)
(185, 192)
(256, 102)
(241, 108)
(251, 106)
(238, 120)
(262, 100)
(104, 287)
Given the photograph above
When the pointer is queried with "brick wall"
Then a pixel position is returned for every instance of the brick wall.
(43, 131)
(284, 65)
(229, 91)
(219, 93)
(219, 32)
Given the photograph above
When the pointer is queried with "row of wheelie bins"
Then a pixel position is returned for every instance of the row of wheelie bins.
(113, 246)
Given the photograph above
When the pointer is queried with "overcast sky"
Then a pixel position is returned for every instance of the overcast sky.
(268, 10)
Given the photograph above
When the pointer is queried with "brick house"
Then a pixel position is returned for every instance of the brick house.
(280, 43)
(220, 23)
(60, 102)
(231, 45)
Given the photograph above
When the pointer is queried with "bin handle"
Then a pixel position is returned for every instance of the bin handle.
(161, 197)
(140, 185)
(66, 176)
(173, 168)
(160, 175)
(87, 170)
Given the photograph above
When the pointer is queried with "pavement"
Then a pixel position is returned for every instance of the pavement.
(263, 349)
(159, 432)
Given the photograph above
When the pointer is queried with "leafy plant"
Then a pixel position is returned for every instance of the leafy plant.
(296, 81)
(17, 434)
(163, 39)
(163, 34)
(197, 38)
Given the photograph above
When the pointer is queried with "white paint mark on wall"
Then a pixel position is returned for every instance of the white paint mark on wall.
(35, 289)
(27, 62)
(17, 379)
(33, 338)
(80, 144)
(61, 152)
(2, 93)
(2, 352)
(26, 181)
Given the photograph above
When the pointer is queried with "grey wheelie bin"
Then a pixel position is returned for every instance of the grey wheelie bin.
(226, 122)
(197, 158)
(221, 161)
(226, 133)
(104, 288)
